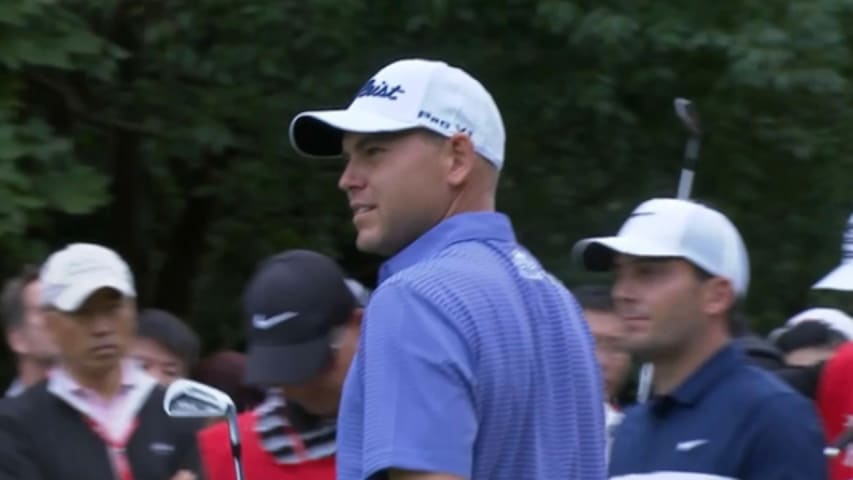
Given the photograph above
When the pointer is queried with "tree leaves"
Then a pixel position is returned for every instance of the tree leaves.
(119, 121)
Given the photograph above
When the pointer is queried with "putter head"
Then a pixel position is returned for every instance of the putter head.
(191, 399)
(688, 115)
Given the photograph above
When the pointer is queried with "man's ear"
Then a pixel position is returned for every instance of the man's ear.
(463, 159)
(718, 296)
(355, 318)
(16, 341)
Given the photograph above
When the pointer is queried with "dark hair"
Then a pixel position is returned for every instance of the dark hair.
(171, 333)
(224, 370)
(737, 322)
(809, 334)
(12, 297)
(594, 297)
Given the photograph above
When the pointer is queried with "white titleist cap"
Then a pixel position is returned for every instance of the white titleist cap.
(72, 274)
(408, 94)
(841, 278)
(667, 227)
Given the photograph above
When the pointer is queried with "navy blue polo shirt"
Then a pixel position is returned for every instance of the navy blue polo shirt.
(730, 419)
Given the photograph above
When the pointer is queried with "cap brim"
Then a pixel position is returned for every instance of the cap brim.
(596, 254)
(841, 278)
(274, 365)
(319, 133)
(74, 296)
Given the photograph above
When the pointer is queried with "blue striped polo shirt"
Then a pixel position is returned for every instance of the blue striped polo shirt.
(729, 420)
(473, 361)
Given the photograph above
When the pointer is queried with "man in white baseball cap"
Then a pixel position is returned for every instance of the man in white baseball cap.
(680, 267)
(433, 390)
(104, 413)
(71, 275)
(406, 95)
(813, 335)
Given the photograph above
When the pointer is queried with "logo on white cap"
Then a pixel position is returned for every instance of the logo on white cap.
(72, 274)
(408, 94)
(382, 90)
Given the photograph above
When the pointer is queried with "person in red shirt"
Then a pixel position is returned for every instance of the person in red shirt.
(304, 323)
(835, 403)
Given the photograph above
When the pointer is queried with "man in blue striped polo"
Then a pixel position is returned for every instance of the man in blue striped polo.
(474, 362)
(680, 268)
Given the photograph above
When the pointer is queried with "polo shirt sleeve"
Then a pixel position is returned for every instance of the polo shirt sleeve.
(787, 441)
(419, 411)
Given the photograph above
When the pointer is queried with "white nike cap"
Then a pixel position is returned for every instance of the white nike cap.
(407, 94)
(667, 227)
(841, 277)
(74, 273)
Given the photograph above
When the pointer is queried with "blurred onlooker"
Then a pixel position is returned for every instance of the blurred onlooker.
(835, 402)
(225, 370)
(304, 324)
(608, 330)
(97, 416)
(811, 336)
(841, 277)
(26, 335)
(165, 346)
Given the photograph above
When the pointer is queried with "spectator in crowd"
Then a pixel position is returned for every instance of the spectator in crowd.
(811, 336)
(165, 346)
(608, 330)
(759, 350)
(226, 370)
(104, 416)
(23, 322)
(841, 277)
(835, 402)
(680, 268)
(304, 323)
(474, 360)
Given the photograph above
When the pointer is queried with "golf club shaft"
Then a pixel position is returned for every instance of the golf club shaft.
(685, 183)
(687, 114)
(691, 156)
(644, 389)
(238, 468)
(234, 437)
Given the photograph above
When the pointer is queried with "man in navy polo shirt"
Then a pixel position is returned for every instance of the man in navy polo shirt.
(680, 268)
(474, 361)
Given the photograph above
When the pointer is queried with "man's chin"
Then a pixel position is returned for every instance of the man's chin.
(49, 361)
(643, 351)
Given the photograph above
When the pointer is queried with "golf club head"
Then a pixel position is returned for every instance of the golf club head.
(688, 115)
(191, 399)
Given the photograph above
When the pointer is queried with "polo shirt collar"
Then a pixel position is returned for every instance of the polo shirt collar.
(457, 228)
(709, 374)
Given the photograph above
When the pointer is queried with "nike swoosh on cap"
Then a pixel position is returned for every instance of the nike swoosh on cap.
(641, 214)
(264, 322)
(690, 445)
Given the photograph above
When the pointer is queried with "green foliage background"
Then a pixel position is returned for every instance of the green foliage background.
(160, 128)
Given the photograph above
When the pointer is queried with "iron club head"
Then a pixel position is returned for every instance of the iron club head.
(688, 115)
(191, 399)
